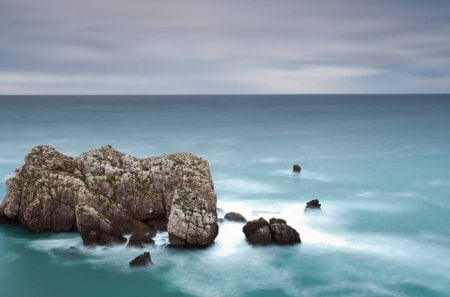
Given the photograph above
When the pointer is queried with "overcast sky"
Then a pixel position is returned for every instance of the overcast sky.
(229, 46)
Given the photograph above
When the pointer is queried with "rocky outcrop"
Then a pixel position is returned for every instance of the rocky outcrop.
(261, 232)
(283, 233)
(258, 232)
(104, 194)
(141, 260)
(235, 217)
(296, 168)
(313, 204)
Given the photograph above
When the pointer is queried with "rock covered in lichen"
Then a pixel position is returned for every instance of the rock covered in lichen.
(104, 193)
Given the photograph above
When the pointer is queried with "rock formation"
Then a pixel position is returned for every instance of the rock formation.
(104, 194)
(313, 204)
(141, 260)
(261, 232)
(235, 217)
(296, 168)
(258, 232)
(283, 233)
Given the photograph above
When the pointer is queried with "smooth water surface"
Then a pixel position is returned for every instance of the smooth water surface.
(379, 165)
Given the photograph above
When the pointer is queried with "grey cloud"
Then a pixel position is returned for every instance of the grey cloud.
(137, 46)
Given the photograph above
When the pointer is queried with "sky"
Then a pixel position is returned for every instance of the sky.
(224, 46)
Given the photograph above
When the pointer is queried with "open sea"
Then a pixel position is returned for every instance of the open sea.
(380, 165)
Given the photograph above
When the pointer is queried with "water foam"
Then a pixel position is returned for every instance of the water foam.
(244, 186)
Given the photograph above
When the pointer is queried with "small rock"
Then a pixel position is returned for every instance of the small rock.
(283, 233)
(258, 232)
(235, 217)
(220, 220)
(313, 204)
(296, 168)
(141, 260)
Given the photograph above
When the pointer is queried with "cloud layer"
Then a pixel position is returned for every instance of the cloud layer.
(176, 46)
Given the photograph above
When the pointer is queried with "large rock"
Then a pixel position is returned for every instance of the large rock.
(258, 232)
(104, 193)
(235, 217)
(283, 233)
(296, 168)
(261, 232)
(141, 260)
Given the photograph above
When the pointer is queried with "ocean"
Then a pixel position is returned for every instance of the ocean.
(379, 164)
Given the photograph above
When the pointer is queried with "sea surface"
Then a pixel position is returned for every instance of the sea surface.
(380, 165)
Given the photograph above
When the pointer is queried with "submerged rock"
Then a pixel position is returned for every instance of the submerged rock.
(104, 193)
(261, 232)
(313, 204)
(283, 233)
(141, 260)
(296, 168)
(258, 232)
(235, 217)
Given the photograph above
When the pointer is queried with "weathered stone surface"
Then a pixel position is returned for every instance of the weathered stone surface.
(141, 260)
(104, 193)
(283, 233)
(235, 217)
(258, 232)
(313, 204)
(296, 168)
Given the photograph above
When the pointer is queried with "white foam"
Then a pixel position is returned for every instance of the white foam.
(439, 183)
(304, 174)
(4, 178)
(269, 160)
(244, 186)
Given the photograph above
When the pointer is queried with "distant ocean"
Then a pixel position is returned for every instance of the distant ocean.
(380, 165)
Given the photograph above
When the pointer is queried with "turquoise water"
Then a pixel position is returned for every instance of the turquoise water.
(379, 165)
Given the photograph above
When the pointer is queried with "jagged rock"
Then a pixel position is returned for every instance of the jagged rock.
(258, 232)
(235, 217)
(313, 204)
(283, 233)
(141, 237)
(296, 168)
(141, 260)
(104, 193)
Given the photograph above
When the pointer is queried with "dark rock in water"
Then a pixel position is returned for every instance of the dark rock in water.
(313, 204)
(104, 193)
(276, 231)
(258, 232)
(139, 238)
(220, 220)
(235, 217)
(296, 168)
(141, 260)
(283, 233)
